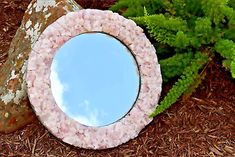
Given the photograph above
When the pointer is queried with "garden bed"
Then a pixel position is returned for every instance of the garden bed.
(201, 125)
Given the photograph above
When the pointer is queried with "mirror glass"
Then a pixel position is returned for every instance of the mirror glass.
(94, 79)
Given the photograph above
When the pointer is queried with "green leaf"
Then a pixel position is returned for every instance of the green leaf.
(175, 65)
(187, 78)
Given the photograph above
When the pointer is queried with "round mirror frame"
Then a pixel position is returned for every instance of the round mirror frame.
(38, 79)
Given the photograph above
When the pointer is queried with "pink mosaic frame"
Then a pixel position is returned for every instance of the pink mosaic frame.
(38, 79)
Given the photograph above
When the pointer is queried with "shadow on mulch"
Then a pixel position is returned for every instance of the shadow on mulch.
(202, 125)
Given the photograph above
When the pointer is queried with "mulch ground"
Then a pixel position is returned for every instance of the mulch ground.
(202, 125)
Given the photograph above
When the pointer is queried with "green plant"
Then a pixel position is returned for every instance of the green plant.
(188, 77)
(132, 8)
(175, 65)
(227, 49)
(186, 34)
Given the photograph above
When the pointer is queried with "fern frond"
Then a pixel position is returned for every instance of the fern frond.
(140, 20)
(232, 3)
(213, 9)
(185, 26)
(187, 78)
(226, 63)
(128, 11)
(121, 4)
(181, 40)
(133, 8)
(167, 30)
(233, 68)
(230, 32)
(198, 79)
(159, 20)
(187, 8)
(203, 30)
(226, 48)
(175, 65)
(228, 12)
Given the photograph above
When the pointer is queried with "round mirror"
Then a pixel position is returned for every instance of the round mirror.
(85, 86)
(94, 79)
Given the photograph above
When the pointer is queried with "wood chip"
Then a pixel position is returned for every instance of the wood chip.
(229, 149)
(216, 151)
(34, 146)
(211, 154)
(214, 93)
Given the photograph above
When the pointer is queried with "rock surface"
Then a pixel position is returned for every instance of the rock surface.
(15, 110)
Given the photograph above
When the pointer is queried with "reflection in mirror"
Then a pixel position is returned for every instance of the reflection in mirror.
(94, 79)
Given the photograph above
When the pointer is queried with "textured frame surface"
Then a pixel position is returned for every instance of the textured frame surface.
(38, 79)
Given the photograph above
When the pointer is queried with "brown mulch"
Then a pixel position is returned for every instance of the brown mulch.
(202, 125)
